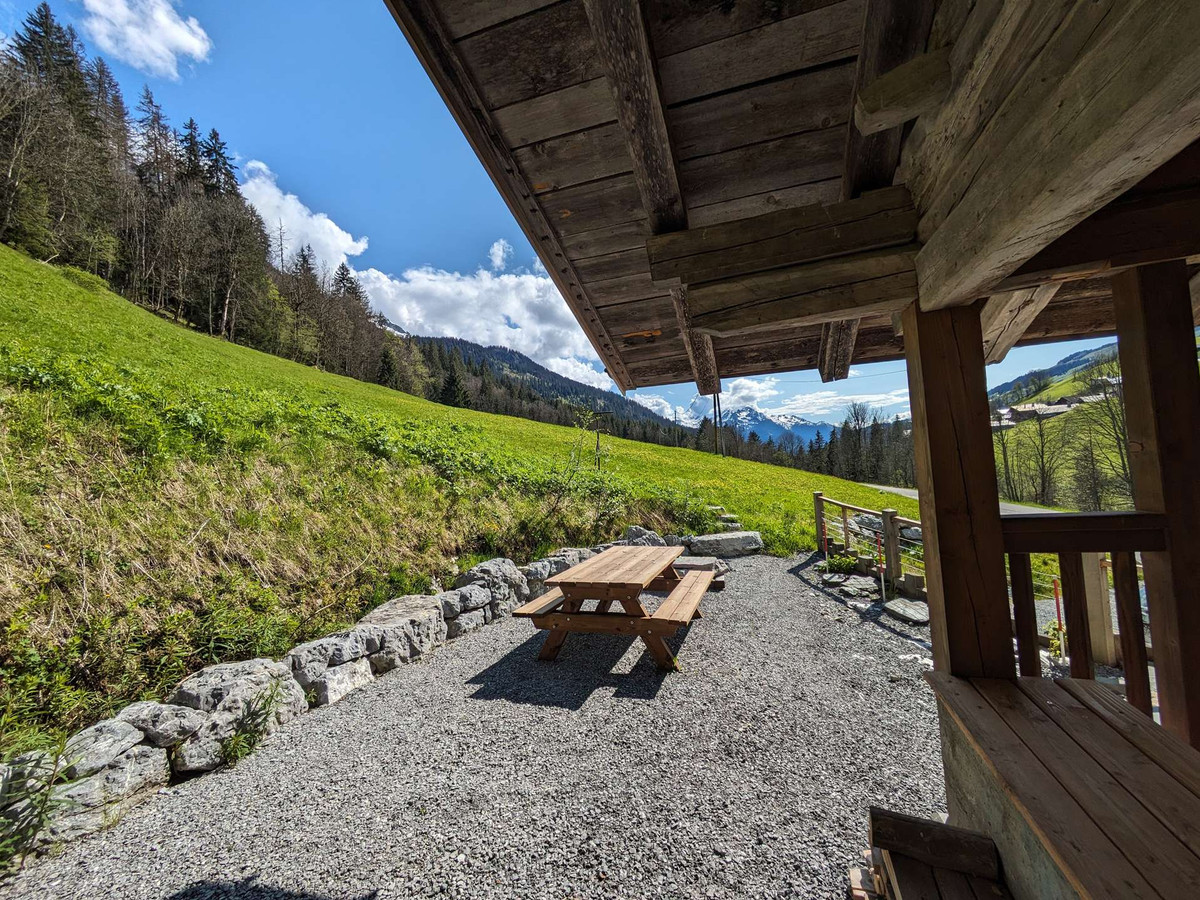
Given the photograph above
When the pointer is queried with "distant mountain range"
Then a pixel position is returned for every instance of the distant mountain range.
(1062, 368)
(748, 419)
(549, 385)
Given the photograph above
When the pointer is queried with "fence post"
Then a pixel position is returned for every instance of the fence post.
(1099, 603)
(891, 546)
(846, 533)
(819, 513)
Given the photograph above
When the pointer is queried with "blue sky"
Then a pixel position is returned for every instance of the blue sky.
(339, 133)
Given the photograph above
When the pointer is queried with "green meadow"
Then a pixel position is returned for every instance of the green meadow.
(171, 500)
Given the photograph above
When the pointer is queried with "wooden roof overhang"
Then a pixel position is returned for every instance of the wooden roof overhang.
(724, 189)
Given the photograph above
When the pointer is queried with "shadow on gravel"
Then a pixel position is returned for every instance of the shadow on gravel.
(806, 571)
(247, 890)
(584, 666)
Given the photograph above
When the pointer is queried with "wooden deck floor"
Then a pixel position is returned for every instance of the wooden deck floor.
(1084, 795)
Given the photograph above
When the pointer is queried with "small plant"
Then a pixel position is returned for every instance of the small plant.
(1056, 632)
(840, 564)
(252, 727)
(27, 802)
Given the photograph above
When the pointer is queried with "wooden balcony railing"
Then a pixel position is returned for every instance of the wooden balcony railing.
(1070, 535)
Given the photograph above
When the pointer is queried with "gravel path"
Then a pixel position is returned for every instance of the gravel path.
(481, 772)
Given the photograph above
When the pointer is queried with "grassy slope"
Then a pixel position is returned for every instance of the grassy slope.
(175, 500)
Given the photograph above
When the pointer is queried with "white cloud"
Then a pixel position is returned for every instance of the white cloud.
(331, 243)
(654, 403)
(748, 392)
(824, 403)
(499, 254)
(520, 310)
(150, 35)
(579, 370)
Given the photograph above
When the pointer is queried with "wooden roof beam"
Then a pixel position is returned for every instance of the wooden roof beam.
(699, 346)
(1133, 231)
(894, 32)
(1006, 316)
(906, 92)
(1066, 106)
(623, 45)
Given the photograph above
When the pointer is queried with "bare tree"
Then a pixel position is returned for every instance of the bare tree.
(1047, 442)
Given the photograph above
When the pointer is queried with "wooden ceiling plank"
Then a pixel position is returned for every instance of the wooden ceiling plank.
(679, 25)
(1006, 316)
(876, 283)
(550, 115)
(788, 237)
(577, 158)
(619, 32)
(808, 101)
(1112, 95)
(464, 17)
(544, 51)
(419, 21)
(825, 191)
(796, 159)
(812, 38)
(906, 92)
(894, 31)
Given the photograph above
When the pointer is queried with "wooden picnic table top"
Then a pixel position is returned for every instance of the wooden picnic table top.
(619, 567)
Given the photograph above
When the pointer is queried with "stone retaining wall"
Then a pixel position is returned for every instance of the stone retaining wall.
(222, 711)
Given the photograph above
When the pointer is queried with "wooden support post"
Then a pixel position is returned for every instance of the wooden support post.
(1133, 636)
(960, 502)
(1161, 388)
(1079, 632)
(891, 547)
(819, 518)
(846, 531)
(1020, 574)
(1099, 607)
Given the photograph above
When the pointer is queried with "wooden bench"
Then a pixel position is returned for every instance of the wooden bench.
(1084, 795)
(683, 603)
(542, 605)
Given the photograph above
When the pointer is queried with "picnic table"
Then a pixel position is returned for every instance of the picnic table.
(620, 575)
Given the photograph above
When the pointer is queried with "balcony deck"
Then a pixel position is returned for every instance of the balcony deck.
(1083, 795)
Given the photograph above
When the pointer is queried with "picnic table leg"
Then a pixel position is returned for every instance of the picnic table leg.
(654, 643)
(557, 636)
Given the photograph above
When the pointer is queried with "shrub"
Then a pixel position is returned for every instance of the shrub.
(840, 564)
(85, 280)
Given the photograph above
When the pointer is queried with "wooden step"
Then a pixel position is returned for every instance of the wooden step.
(544, 604)
(683, 602)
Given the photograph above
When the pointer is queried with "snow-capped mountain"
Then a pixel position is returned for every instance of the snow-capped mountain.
(747, 419)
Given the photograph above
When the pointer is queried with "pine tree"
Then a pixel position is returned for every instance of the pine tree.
(454, 393)
(191, 164)
(219, 170)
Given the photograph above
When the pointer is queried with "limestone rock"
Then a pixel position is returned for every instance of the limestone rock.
(637, 536)
(677, 540)
(538, 571)
(97, 801)
(702, 563)
(907, 611)
(162, 724)
(404, 629)
(309, 661)
(468, 621)
(833, 579)
(339, 681)
(865, 523)
(503, 579)
(234, 695)
(464, 599)
(729, 544)
(92, 749)
(911, 533)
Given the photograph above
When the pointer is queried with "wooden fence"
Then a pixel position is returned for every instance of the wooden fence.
(1083, 590)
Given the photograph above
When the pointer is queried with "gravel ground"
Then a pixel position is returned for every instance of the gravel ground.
(481, 772)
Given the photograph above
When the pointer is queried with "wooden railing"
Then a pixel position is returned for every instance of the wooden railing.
(1070, 535)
